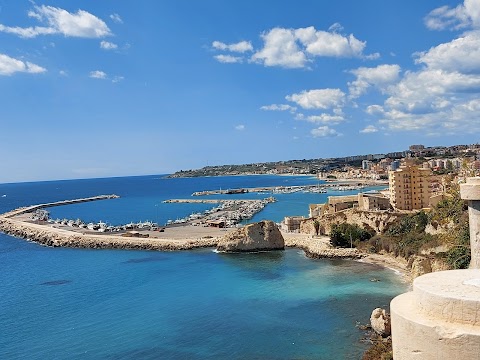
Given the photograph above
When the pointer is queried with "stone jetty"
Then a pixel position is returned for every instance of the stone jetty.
(48, 236)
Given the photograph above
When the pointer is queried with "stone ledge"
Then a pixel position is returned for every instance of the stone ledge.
(439, 319)
(421, 337)
(449, 295)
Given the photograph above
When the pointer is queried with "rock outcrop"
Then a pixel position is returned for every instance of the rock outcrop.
(380, 322)
(370, 220)
(419, 265)
(263, 235)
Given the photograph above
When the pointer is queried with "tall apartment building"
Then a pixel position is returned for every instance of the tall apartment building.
(409, 187)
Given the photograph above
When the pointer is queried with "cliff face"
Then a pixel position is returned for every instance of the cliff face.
(263, 235)
(377, 221)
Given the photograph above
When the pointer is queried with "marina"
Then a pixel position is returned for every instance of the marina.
(322, 189)
(227, 214)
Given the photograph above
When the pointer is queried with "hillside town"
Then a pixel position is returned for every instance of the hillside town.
(440, 159)
(418, 181)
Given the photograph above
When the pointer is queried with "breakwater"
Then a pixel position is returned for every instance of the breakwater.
(31, 208)
(48, 236)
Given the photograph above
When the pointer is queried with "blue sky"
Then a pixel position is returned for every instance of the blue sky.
(112, 88)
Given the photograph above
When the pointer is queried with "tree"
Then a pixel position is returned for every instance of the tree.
(347, 235)
(316, 225)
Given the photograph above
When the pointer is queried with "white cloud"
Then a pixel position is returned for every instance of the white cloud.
(280, 49)
(380, 76)
(323, 43)
(374, 109)
(240, 127)
(325, 118)
(97, 74)
(461, 54)
(324, 131)
(59, 21)
(63, 73)
(337, 27)
(106, 45)
(318, 99)
(295, 48)
(432, 101)
(466, 15)
(116, 18)
(9, 66)
(369, 129)
(241, 47)
(279, 107)
(440, 97)
(117, 79)
(228, 59)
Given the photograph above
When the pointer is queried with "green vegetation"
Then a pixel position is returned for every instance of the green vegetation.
(407, 236)
(348, 235)
(458, 257)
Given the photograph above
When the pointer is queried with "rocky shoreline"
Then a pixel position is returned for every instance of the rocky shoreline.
(318, 248)
(47, 235)
(54, 237)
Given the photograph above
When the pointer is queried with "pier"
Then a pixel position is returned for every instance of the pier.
(319, 188)
(58, 203)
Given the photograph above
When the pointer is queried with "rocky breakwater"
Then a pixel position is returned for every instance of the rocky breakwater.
(319, 248)
(260, 236)
(53, 237)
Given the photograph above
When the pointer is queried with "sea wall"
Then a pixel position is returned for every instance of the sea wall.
(379, 221)
(48, 236)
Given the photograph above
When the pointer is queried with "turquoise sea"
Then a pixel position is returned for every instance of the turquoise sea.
(113, 304)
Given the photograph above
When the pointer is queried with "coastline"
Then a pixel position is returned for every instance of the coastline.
(185, 237)
(396, 264)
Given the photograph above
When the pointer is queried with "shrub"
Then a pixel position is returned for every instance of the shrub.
(458, 257)
(346, 235)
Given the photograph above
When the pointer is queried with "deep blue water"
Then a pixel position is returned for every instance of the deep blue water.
(113, 304)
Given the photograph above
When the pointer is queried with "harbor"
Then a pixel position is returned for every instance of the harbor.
(319, 188)
(227, 214)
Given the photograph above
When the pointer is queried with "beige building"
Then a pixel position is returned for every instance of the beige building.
(410, 187)
(291, 223)
(372, 201)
